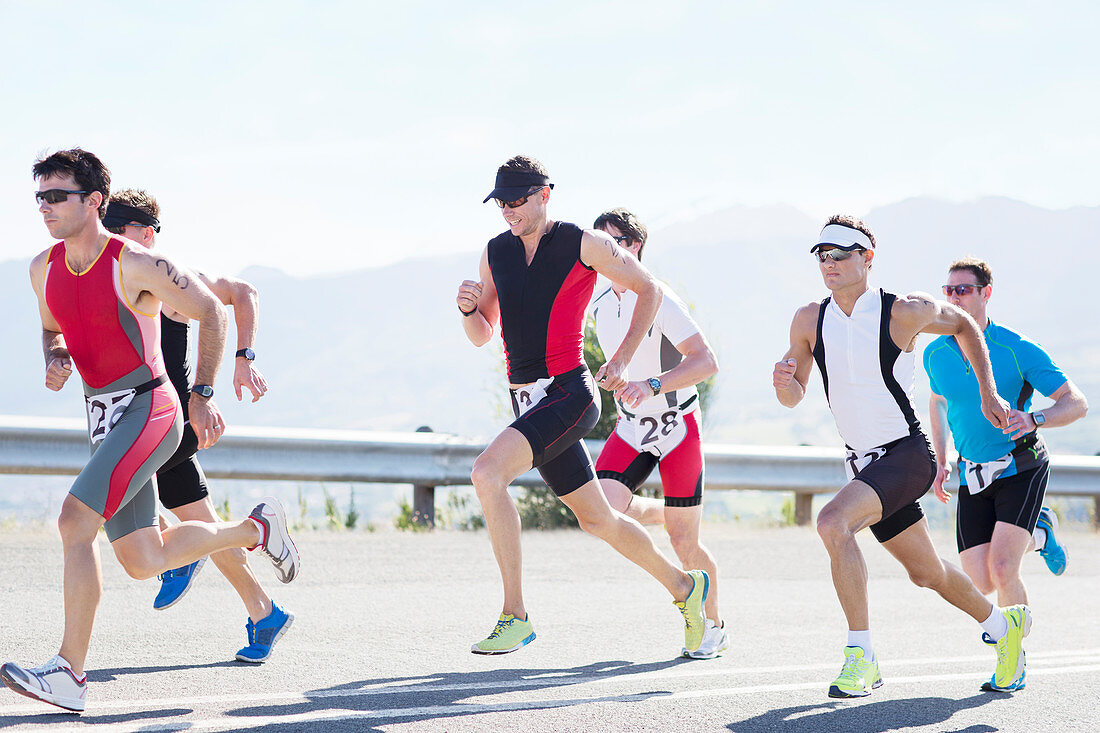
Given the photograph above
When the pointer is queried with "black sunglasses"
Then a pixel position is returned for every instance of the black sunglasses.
(54, 195)
(518, 202)
(836, 255)
(960, 289)
(621, 240)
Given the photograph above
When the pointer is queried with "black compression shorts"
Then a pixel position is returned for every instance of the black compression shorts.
(555, 426)
(1014, 500)
(900, 477)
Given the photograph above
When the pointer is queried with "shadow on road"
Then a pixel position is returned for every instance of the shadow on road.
(868, 717)
(52, 720)
(432, 697)
(108, 675)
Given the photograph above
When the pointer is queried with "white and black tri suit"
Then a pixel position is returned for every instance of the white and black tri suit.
(868, 384)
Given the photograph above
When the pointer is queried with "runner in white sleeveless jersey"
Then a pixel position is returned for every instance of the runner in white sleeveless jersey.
(658, 422)
(862, 341)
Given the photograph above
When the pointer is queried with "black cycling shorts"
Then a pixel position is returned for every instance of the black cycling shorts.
(900, 477)
(555, 427)
(182, 484)
(1014, 500)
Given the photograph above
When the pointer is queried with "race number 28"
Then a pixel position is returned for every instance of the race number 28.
(657, 429)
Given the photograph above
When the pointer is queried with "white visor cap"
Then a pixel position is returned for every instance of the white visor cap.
(842, 237)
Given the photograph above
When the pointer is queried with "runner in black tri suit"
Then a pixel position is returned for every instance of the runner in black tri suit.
(537, 278)
(863, 341)
(181, 483)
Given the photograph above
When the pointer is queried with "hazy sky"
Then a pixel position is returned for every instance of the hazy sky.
(321, 136)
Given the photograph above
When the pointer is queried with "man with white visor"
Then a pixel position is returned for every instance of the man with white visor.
(862, 341)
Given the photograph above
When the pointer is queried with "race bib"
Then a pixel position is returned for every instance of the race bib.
(855, 462)
(525, 398)
(104, 411)
(658, 433)
(980, 475)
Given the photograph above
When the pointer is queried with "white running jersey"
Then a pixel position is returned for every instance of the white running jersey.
(868, 380)
(657, 352)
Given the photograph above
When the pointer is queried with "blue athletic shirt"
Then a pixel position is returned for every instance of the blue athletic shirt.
(1020, 366)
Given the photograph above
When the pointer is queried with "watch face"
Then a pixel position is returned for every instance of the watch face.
(247, 353)
(203, 390)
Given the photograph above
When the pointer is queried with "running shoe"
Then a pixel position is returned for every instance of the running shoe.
(508, 635)
(263, 635)
(857, 677)
(276, 542)
(1010, 649)
(52, 682)
(1018, 685)
(174, 584)
(1052, 551)
(715, 641)
(692, 610)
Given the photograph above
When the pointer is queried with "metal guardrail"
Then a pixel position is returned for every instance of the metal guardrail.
(46, 446)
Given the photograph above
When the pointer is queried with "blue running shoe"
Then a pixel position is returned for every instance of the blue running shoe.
(1052, 551)
(263, 635)
(174, 584)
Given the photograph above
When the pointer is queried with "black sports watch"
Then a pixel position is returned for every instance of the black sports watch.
(247, 353)
(1039, 418)
(655, 385)
(203, 390)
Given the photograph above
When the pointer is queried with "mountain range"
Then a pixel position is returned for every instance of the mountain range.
(383, 349)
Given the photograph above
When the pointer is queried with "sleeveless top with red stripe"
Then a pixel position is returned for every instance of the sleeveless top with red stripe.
(112, 344)
(542, 305)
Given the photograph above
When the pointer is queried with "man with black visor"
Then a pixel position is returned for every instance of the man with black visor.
(537, 279)
(181, 483)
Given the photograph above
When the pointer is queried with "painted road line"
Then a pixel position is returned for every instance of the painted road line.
(464, 709)
(1036, 663)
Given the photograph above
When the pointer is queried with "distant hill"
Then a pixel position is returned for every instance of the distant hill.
(384, 349)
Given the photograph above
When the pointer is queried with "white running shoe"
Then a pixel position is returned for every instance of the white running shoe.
(52, 682)
(715, 641)
(276, 542)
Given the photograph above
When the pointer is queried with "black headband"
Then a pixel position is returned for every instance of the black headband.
(119, 215)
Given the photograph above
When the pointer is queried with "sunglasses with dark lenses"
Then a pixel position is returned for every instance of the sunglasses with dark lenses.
(960, 289)
(54, 195)
(836, 255)
(624, 240)
(518, 202)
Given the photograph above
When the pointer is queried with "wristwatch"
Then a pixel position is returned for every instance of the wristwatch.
(1039, 418)
(655, 385)
(247, 353)
(203, 390)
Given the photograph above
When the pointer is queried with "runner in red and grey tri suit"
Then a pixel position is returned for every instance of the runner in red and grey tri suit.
(658, 423)
(134, 417)
(99, 301)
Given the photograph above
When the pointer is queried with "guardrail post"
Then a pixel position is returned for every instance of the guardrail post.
(803, 508)
(424, 497)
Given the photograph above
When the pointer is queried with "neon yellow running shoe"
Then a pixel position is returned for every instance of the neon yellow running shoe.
(1010, 648)
(858, 676)
(692, 609)
(509, 634)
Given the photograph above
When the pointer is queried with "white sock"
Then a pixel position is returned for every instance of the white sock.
(862, 639)
(1040, 536)
(996, 625)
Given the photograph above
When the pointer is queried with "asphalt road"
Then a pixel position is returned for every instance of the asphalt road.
(385, 620)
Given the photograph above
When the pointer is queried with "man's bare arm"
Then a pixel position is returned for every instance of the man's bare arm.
(921, 313)
(599, 251)
(242, 296)
(937, 423)
(482, 297)
(59, 366)
(158, 278)
(792, 373)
